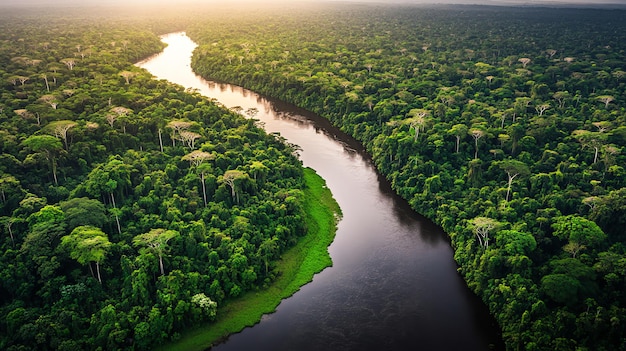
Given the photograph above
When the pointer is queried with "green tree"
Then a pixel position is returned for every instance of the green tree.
(513, 169)
(46, 226)
(87, 244)
(206, 307)
(580, 233)
(482, 227)
(562, 288)
(417, 120)
(196, 159)
(84, 211)
(60, 129)
(231, 177)
(156, 241)
(47, 146)
(108, 179)
(459, 131)
(476, 133)
(594, 140)
(9, 187)
(267, 251)
(514, 242)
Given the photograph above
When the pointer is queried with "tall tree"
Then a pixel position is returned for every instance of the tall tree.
(109, 178)
(230, 177)
(476, 134)
(458, 130)
(482, 227)
(8, 224)
(417, 120)
(156, 241)
(87, 244)
(45, 227)
(60, 129)
(595, 140)
(196, 158)
(177, 127)
(128, 75)
(513, 169)
(69, 62)
(45, 145)
(606, 99)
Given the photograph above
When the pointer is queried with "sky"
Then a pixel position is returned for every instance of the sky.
(590, 3)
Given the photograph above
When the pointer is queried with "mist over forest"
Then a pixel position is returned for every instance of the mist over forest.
(523, 3)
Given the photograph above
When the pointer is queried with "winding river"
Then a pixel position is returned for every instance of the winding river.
(393, 284)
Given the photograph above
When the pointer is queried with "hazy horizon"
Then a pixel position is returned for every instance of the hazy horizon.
(55, 3)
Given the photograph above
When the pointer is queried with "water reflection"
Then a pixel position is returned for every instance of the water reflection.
(393, 284)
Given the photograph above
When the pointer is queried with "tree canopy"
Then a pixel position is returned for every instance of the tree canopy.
(447, 100)
(475, 115)
(112, 239)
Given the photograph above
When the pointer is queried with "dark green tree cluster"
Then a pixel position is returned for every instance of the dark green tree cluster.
(506, 126)
(130, 209)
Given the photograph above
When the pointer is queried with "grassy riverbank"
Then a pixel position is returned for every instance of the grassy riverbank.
(297, 267)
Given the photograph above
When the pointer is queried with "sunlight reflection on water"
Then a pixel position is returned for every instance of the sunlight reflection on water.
(393, 284)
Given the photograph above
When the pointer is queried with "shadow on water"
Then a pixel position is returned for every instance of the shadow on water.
(393, 284)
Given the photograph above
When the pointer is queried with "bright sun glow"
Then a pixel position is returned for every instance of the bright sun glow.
(180, 3)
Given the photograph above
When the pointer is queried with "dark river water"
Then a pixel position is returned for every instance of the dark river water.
(393, 284)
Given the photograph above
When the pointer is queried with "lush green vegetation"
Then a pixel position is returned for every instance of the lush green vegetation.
(504, 125)
(131, 209)
(297, 266)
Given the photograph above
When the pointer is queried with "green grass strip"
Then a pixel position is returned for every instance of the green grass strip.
(297, 266)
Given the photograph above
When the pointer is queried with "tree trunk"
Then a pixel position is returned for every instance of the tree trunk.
(117, 218)
(458, 141)
(11, 233)
(54, 171)
(161, 264)
(476, 152)
(119, 227)
(203, 188)
(160, 140)
(480, 240)
(98, 270)
(232, 190)
(508, 190)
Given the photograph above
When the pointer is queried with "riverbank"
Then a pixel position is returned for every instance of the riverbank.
(297, 267)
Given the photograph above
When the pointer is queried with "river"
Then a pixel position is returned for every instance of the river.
(393, 284)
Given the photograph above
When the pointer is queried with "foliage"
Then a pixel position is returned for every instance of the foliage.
(515, 115)
(297, 267)
(112, 239)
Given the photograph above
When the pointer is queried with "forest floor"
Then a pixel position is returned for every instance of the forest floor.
(297, 267)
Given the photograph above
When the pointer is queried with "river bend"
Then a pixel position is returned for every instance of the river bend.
(393, 284)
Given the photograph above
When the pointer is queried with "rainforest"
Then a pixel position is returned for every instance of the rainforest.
(133, 209)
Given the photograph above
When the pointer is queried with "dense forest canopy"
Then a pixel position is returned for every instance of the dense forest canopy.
(130, 209)
(504, 125)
